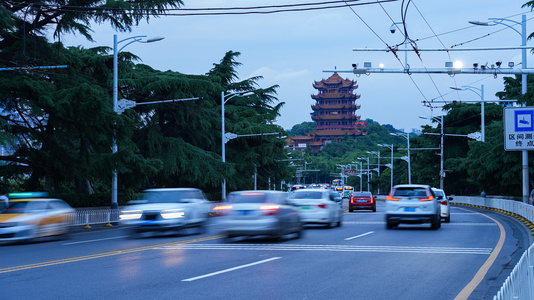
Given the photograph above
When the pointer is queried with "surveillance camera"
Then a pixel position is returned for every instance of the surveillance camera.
(354, 65)
(393, 28)
(499, 63)
(475, 65)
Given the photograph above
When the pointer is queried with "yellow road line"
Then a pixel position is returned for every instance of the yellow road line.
(471, 286)
(106, 254)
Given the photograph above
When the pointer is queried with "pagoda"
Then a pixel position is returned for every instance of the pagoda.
(334, 113)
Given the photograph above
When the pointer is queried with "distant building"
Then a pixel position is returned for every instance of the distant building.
(334, 113)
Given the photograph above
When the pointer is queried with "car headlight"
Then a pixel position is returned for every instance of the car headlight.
(172, 214)
(130, 214)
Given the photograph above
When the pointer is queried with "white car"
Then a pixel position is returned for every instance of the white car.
(444, 202)
(167, 209)
(318, 206)
(412, 204)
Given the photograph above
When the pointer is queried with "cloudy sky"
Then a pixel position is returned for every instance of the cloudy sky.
(293, 49)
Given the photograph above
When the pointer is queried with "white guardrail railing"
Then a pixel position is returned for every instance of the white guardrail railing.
(520, 283)
(86, 217)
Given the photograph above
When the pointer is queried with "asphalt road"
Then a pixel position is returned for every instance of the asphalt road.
(468, 258)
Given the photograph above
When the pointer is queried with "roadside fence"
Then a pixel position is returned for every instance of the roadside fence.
(520, 283)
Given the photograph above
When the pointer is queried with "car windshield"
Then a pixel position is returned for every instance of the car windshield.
(410, 192)
(20, 207)
(307, 195)
(172, 196)
(439, 193)
(248, 197)
(362, 194)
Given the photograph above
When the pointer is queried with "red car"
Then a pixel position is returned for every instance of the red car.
(362, 200)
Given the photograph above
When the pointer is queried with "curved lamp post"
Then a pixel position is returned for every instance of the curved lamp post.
(390, 147)
(130, 40)
(226, 136)
(523, 34)
(480, 93)
(377, 153)
(407, 137)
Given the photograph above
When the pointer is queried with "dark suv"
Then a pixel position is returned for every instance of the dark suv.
(412, 204)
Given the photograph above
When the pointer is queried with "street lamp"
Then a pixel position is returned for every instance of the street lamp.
(227, 136)
(377, 153)
(407, 137)
(133, 39)
(361, 172)
(480, 93)
(523, 34)
(390, 147)
(441, 172)
(366, 159)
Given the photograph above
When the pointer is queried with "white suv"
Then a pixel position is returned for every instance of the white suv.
(412, 204)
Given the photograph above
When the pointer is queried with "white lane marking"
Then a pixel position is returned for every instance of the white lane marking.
(231, 269)
(355, 237)
(338, 248)
(98, 240)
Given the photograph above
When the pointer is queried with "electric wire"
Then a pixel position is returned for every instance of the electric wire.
(214, 11)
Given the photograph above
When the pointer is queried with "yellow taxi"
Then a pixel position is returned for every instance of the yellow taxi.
(32, 215)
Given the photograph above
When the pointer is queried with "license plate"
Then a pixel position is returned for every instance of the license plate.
(305, 207)
(409, 209)
(362, 200)
(246, 212)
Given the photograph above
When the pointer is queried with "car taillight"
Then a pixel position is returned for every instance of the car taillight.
(427, 199)
(222, 209)
(372, 199)
(270, 210)
(321, 205)
(390, 198)
(443, 202)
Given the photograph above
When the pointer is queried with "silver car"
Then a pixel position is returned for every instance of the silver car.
(318, 206)
(412, 204)
(254, 213)
(445, 204)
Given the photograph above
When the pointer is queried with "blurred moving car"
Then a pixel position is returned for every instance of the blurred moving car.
(318, 206)
(362, 200)
(166, 209)
(412, 204)
(296, 187)
(339, 190)
(253, 213)
(33, 215)
(444, 202)
(347, 191)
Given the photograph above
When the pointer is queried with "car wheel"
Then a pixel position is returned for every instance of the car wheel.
(300, 232)
(338, 224)
(351, 210)
(227, 239)
(202, 228)
(374, 209)
(390, 225)
(436, 223)
(448, 219)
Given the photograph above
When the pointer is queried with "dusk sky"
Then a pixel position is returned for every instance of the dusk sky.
(292, 49)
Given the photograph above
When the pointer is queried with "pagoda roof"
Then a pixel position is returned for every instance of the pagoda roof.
(335, 96)
(334, 79)
(337, 132)
(336, 117)
(301, 138)
(335, 106)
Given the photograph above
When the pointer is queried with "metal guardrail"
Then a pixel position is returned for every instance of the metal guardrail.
(520, 283)
(86, 217)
